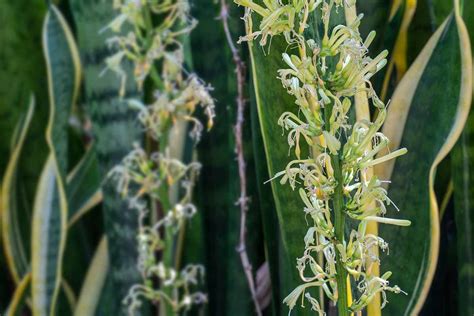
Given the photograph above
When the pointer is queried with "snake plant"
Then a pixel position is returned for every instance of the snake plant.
(336, 177)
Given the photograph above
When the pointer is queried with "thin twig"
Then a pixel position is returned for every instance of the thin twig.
(243, 199)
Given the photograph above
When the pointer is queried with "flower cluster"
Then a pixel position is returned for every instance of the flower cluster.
(171, 282)
(335, 181)
(146, 177)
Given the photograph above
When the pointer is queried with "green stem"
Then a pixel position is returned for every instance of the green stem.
(339, 224)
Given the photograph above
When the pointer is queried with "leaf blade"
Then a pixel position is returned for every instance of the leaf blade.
(94, 282)
(19, 296)
(412, 186)
(115, 128)
(216, 199)
(48, 241)
(83, 186)
(462, 173)
(50, 211)
(13, 245)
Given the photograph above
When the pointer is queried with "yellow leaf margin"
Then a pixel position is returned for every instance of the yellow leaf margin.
(396, 119)
(94, 282)
(50, 173)
(6, 208)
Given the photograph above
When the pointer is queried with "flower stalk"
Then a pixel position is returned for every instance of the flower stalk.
(335, 181)
(154, 179)
(339, 225)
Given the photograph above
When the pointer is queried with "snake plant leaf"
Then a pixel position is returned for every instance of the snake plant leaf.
(376, 15)
(115, 128)
(439, 10)
(83, 186)
(22, 73)
(51, 208)
(69, 296)
(462, 160)
(395, 39)
(19, 297)
(94, 282)
(13, 242)
(463, 173)
(218, 188)
(48, 240)
(272, 100)
(277, 257)
(83, 189)
(377, 18)
(426, 115)
(429, 15)
(81, 197)
(64, 73)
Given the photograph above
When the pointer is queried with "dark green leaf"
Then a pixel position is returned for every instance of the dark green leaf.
(115, 128)
(13, 241)
(436, 104)
(218, 188)
(51, 209)
(463, 173)
(83, 186)
(22, 72)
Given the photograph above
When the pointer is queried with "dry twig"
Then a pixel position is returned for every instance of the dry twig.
(243, 199)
